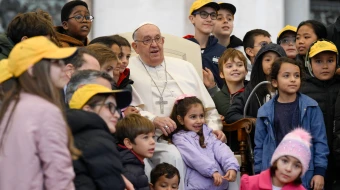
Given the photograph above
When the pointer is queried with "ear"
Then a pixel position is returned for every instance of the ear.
(128, 143)
(69, 70)
(249, 51)
(151, 186)
(180, 119)
(24, 38)
(87, 108)
(134, 46)
(274, 83)
(191, 18)
(222, 75)
(65, 25)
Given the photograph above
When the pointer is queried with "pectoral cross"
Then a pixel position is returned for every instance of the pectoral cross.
(161, 103)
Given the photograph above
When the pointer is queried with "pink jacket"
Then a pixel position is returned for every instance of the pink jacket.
(263, 181)
(34, 155)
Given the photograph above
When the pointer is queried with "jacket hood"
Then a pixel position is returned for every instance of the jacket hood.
(269, 47)
(235, 42)
(80, 120)
(6, 46)
(67, 40)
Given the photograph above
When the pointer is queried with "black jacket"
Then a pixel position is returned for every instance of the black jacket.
(133, 169)
(336, 140)
(235, 42)
(99, 166)
(6, 46)
(333, 33)
(210, 57)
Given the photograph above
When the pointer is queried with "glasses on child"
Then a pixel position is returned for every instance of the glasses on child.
(205, 15)
(262, 44)
(148, 41)
(111, 106)
(80, 18)
(287, 41)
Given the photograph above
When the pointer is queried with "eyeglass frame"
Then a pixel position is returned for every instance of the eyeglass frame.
(91, 20)
(262, 44)
(152, 40)
(208, 14)
(280, 42)
(109, 105)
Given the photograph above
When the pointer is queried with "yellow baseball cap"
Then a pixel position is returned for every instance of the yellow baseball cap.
(32, 50)
(321, 46)
(285, 29)
(84, 93)
(202, 3)
(4, 72)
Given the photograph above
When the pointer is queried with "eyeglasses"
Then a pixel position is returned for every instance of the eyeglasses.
(111, 106)
(287, 41)
(80, 18)
(262, 44)
(148, 41)
(205, 15)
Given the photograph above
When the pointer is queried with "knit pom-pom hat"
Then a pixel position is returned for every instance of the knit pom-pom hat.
(296, 144)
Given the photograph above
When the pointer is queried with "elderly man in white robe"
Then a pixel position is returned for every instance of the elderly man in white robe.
(158, 80)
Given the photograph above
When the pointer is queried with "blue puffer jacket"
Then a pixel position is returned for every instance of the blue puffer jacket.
(311, 119)
(210, 57)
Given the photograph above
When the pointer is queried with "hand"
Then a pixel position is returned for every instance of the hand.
(317, 182)
(230, 175)
(208, 78)
(217, 179)
(162, 122)
(222, 117)
(128, 184)
(131, 109)
(220, 135)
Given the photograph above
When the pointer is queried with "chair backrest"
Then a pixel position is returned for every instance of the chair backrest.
(177, 47)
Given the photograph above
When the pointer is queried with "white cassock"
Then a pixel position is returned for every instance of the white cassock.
(181, 78)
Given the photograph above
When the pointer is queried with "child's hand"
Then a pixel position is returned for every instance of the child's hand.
(131, 110)
(217, 179)
(230, 175)
(317, 182)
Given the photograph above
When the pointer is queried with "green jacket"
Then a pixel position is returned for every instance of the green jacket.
(6, 46)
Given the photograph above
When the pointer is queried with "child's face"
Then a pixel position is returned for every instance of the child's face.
(287, 42)
(57, 75)
(267, 62)
(224, 23)
(144, 145)
(234, 71)
(164, 183)
(112, 68)
(304, 38)
(288, 170)
(108, 112)
(194, 119)
(288, 79)
(126, 54)
(324, 65)
(259, 42)
(204, 26)
(78, 30)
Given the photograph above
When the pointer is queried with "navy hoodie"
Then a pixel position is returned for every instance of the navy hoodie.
(210, 56)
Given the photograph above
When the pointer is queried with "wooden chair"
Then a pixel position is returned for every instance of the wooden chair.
(243, 128)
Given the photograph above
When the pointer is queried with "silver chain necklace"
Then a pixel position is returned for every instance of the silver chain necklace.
(161, 102)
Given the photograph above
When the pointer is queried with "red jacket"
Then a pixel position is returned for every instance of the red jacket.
(263, 181)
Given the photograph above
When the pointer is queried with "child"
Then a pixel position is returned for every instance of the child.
(253, 41)
(203, 14)
(289, 162)
(32, 124)
(76, 24)
(323, 85)
(262, 67)
(6, 79)
(164, 176)
(135, 136)
(286, 39)
(224, 26)
(210, 162)
(92, 118)
(286, 111)
(308, 32)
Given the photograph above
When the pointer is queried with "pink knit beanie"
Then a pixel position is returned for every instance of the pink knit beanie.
(296, 144)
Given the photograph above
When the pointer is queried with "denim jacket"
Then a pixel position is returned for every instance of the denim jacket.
(311, 119)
